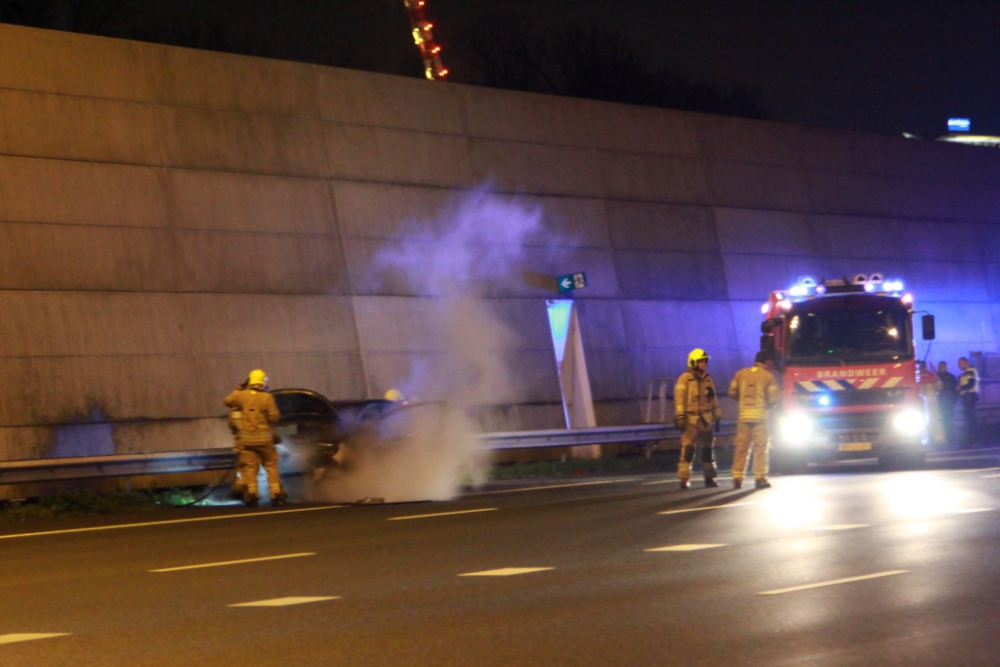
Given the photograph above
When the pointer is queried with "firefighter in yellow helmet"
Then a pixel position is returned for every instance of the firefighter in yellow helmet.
(757, 392)
(697, 409)
(253, 412)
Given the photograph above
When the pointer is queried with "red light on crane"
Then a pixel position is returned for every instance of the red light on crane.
(424, 39)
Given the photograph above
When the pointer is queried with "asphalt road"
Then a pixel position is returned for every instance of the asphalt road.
(840, 567)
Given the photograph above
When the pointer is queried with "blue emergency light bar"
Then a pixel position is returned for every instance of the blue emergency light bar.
(959, 124)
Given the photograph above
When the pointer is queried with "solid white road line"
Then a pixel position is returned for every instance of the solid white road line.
(835, 582)
(429, 516)
(555, 486)
(668, 481)
(990, 476)
(841, 526)
(171, 522)
(232, 562)
(974, 510)
(26, 637)
(688, 547)
(710, 507)
(506, 571)
(283, 602)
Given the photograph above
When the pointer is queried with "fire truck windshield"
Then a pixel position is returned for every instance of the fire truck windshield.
(826, 337)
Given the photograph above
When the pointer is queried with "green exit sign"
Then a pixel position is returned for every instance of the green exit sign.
(572, 282)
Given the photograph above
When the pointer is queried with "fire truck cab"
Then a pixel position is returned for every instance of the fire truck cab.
(844, 355)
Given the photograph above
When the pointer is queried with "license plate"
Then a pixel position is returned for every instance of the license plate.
(855, 446)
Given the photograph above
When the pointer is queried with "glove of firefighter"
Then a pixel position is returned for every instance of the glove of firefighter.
(680, 422)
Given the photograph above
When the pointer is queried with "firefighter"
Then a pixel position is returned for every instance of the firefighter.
(757, 392)
(254, 412)
(947, 396)
(968, 393)
(697, 409)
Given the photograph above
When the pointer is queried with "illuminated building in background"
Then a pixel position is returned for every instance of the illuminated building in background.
(430, 51)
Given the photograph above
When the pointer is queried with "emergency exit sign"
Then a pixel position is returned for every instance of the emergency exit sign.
(572, 282)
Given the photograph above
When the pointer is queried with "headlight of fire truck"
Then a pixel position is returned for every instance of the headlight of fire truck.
(796, 427)
(909, 422)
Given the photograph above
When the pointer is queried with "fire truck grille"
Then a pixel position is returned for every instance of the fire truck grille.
(833, 399)
(865, 421)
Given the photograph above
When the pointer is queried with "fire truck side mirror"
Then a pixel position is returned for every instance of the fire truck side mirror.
(927, 323)
(767, 344)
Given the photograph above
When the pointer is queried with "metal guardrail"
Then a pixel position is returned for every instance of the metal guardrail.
(126, 465)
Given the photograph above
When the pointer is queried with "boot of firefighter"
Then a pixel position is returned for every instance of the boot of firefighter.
(250, 499)
(279, 498)
(710, 474)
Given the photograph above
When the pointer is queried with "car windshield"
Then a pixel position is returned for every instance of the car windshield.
(841, 337)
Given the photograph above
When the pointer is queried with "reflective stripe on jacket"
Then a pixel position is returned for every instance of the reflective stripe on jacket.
(257, 413)
(695, 395)
(756, 390)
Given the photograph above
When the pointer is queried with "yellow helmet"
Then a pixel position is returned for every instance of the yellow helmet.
(697, 354)
(257, 377)
(394, 395)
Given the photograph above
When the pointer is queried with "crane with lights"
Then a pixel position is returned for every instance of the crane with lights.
(844, 353)
(423, 36)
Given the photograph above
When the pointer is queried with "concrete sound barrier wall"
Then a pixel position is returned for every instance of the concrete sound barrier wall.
(170, 219)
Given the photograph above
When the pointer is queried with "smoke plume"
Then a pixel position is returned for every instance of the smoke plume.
(455, 264)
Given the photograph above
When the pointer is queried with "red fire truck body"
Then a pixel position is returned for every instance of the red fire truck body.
(845, 357)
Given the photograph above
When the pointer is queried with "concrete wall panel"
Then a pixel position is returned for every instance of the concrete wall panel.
(743, 230)
(527, 117)
(668, 324)
(742, 140)
(602, 325)
(226, 82)
(979, 203)
(90, 324)
(265, 323)
(536, 168)
(60, 257)
(380, 211)
(644, 130)
(611, 374)
(527, 322)
(377, 100)
(647, 177)
(232, 262)
(60, 390)
(670, 275)
(393, 156)
(78, 128)
(229, 141)
(639, 226)
(835, 150)
(851, 194)
(742, 185)
(250, 203)
(79, 193)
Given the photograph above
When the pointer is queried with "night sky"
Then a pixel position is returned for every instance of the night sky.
(874, 66)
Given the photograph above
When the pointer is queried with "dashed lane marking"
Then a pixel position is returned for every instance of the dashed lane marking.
(835, 582)
(969, 470)
(556, 486)
(430, 516)
(688, 547)
(973, 510)
(506, 571)
(232, 562)
(841, 526)
(27, 637)
(283, 602)
(710, 507)
(171, 522)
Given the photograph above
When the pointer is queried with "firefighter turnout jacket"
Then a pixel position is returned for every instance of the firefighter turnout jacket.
(968, 383)
(756, 390)
(254, 411)
(695, 398)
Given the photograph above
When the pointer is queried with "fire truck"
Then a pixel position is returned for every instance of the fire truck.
(845, 358)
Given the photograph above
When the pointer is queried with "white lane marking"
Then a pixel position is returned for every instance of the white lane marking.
(556, 486)
(506, 571)
(841, 526)
(710, 507)
(171, 522)
(835, 582)
(668, 481)
(232, 562)
(974, 510)
(283, 602)
(989, 476)
(27, 637)
(688, 547)
(428, 516)
(972, 470)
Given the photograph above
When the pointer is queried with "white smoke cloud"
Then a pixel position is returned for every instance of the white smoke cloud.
(458, 261)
